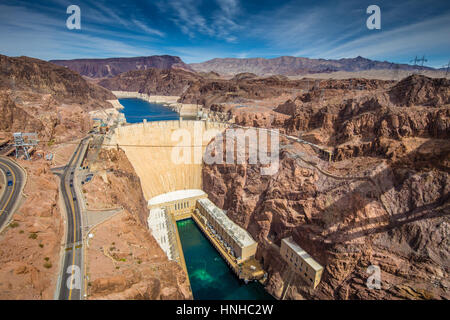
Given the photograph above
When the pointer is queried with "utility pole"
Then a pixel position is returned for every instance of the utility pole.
(448, 66)
(415, 64)
(422, 60)
(416, 60)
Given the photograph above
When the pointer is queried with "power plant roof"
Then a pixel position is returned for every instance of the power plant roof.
(241, 236)
(302, 253)
(175, 196)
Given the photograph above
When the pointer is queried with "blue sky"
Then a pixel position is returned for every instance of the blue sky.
(198, 30)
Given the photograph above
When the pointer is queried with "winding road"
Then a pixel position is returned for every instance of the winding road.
(15, 181)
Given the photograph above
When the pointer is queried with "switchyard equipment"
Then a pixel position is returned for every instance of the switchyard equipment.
(25, 141)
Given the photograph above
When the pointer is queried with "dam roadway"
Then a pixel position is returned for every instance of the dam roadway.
(10, 197)
(71, 278)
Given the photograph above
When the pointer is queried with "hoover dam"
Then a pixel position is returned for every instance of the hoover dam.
(158, 150)
(167, 156)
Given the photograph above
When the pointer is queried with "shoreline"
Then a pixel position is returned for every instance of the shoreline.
(183, 109)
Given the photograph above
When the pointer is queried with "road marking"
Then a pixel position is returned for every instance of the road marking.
(74, 231)
(13, 187)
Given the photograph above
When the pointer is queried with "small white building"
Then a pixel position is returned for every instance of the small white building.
(178, 203)
(301, 262)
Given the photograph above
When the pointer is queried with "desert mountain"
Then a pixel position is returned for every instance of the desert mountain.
(38, 96)
(153, 81)
(203, 88)
(291, 66)
(107, 68)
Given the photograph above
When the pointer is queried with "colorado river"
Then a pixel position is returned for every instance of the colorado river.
(210, 276)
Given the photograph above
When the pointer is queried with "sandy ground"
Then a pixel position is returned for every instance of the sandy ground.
(62, 153)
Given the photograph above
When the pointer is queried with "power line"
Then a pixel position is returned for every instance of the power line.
(423, 60)
(448, 66)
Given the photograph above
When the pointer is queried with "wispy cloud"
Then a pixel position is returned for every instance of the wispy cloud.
(147, 29)
(203, 29)
(423, 36)
(186, 14)
(39, 35)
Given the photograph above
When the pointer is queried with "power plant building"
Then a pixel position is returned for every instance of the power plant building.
(301, 262)
(179, 203)
(237, 240)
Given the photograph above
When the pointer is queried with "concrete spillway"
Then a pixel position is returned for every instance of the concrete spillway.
(156, 149)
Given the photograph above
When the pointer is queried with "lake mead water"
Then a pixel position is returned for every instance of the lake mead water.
(136, 110)
(210, 276)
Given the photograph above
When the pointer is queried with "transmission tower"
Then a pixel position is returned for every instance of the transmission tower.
(415, 64)
(24, 141)
(416, 60)
(448, 66)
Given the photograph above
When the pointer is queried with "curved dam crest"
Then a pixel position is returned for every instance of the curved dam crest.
(156, 151)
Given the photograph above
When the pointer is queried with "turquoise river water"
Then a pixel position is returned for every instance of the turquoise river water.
(210, 276)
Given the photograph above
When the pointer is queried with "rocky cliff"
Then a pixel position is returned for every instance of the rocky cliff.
(205, 89)
(382, 201)
(37, 96)
(124, 260)
(107, 68)
(168, 82)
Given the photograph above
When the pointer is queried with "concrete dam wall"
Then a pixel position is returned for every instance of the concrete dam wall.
(158, 152)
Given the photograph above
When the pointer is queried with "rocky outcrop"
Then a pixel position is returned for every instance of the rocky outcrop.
(165, 82)
(419, 90)
(124, 260)
(204, 89)
(116, 186)
(37, 96)
(37, 76)
(111, 67)
(383, 201)
(398, 224)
